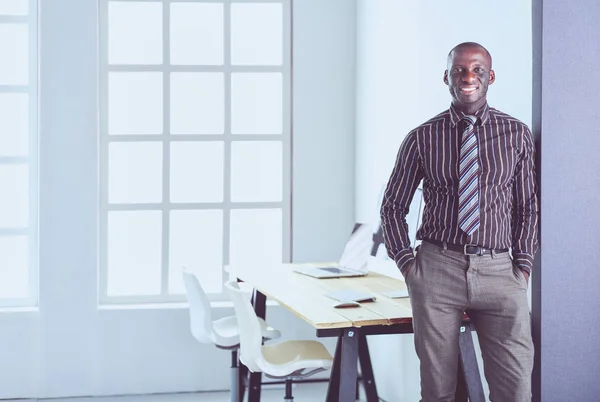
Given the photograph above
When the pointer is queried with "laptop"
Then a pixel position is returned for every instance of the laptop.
(354, 260)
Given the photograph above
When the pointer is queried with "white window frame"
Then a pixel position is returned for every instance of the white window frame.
(227, 137)
(31, 160)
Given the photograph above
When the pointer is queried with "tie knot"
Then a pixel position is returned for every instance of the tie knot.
(470, 119)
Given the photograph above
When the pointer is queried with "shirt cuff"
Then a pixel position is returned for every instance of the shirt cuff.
(404, 259)
(524, 261)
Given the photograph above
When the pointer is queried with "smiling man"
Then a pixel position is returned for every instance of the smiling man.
(479, 233)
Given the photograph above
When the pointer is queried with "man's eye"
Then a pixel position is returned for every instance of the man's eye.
(456, 70)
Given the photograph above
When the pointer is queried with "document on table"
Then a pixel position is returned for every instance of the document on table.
(346, 295)
(396, 294)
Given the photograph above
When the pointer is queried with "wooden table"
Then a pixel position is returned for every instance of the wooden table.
(306, 297)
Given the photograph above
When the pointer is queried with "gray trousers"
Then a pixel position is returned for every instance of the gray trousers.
(444, 284)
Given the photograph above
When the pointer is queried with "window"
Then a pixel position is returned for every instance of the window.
(195, 143)
(18, 153)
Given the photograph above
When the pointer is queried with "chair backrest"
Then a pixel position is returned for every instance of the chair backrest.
(249, 327)
(200, 315)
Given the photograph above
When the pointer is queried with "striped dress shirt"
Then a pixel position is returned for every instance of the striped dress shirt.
(507, 186)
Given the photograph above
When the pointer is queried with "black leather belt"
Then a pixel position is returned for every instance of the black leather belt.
(467, 249)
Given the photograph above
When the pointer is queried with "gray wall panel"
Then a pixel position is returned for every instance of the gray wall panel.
(567, 94)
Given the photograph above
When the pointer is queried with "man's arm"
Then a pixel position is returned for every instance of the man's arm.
(525, 207)
(399, 192)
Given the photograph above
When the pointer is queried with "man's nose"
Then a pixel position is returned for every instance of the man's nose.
(468, 76)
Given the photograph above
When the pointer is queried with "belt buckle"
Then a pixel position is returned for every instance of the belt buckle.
(479, 249)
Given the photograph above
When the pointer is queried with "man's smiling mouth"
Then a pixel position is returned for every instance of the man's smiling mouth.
(468, 90)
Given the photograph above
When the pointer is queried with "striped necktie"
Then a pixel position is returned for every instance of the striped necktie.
(468, 184)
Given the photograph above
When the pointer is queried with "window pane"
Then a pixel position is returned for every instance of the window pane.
(134, 252)
(14, 124)
(135, 103)
(14, 7)
(196, 241)
(196, 34)
(135, 33)
(14, 269)
(14, 48)
(256, 236)
(256, 171)
(135, 172)
(14, 203)
(256, 34)
(256, 103)
(197, 171)
(197, 103)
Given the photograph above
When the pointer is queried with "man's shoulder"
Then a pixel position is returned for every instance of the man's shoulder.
(442, 117)
(497, 116)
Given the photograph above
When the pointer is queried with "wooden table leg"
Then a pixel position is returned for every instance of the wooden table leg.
(334, 379)
(254, 387)
(366, 369)
(468, 369)
(461, 387)
(242, 380)
(348, 365)
(259, 302)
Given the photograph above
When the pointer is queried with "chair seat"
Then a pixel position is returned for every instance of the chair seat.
(227, 333)
(289, 357)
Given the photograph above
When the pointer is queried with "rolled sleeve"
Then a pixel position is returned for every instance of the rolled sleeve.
(525, 208)
(523, 261)
(398, 195)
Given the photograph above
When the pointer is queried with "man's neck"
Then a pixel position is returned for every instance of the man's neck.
(470, 108)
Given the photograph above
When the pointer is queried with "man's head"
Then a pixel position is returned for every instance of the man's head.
(468, 75)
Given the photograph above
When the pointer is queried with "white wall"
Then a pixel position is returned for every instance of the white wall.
(323, 159)
(324, 54)
(71, 348)
(401, 58)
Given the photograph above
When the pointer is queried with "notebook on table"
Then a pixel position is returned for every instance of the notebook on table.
(354, 259)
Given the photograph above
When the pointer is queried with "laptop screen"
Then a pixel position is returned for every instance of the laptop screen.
(357, 250)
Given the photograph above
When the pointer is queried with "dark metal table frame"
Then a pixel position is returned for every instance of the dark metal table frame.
(352, 350)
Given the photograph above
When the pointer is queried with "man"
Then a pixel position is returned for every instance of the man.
(478, 232)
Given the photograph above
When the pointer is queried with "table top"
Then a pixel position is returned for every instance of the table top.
(306, 296)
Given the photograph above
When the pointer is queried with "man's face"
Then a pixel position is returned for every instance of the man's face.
(468, 75)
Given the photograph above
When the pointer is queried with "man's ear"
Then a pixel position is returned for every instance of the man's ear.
(446, 77)
(492, 76)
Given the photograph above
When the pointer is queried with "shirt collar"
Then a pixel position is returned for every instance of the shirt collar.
(483, 115)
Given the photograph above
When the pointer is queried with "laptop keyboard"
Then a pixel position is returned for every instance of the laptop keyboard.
(333, 270)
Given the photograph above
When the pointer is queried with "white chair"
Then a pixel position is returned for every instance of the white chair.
(223, 333)
(288, 360)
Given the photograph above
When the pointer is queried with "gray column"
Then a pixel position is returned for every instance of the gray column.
(566, 123)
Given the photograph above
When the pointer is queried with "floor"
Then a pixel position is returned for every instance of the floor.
(311, 392)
